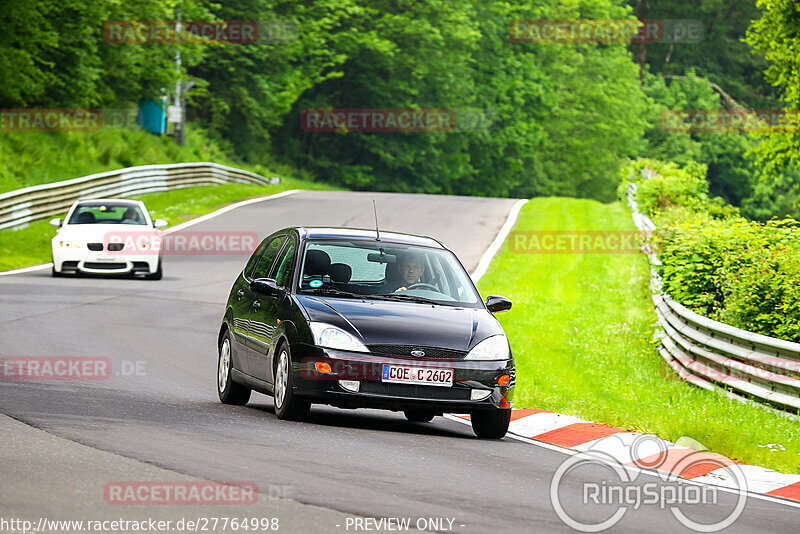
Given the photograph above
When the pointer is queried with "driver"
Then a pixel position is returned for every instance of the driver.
(411, 269)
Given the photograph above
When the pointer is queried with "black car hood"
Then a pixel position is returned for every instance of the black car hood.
(379, 322)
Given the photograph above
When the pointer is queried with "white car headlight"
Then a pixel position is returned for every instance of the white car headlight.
(69, 244)
(329, 336)
(491, 348)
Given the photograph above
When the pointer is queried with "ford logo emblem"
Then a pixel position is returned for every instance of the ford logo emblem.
(417, 353)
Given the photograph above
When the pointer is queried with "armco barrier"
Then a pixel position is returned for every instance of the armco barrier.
(22, 206)
(711, 354)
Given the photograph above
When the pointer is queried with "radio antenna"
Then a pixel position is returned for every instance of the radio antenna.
(377, 231)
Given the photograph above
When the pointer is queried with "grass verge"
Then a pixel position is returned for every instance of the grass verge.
(31, 245)
(582, 332)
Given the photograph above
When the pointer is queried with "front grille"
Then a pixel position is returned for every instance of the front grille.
(109, 266)
(413, 391)
(405, 350)
(115, 247)
(95, 247)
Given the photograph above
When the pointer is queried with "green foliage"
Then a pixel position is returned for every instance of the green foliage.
(720, 265)
(32, 158)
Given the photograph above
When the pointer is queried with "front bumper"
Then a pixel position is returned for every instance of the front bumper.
(104, 262)
(373, 392)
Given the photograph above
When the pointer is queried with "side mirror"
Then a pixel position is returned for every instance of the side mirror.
(56, 222)
(159, 223)
(266, 286)
(496, 303)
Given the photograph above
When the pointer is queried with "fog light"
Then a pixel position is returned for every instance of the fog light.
(479, 394)
(323, 367)
(350, 385)
(503, 380)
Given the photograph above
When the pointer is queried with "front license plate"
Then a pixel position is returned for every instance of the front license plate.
(417, 375)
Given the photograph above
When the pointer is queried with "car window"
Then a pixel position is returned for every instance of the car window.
(385, 269)
(268, 257)
(107, 213)
(283, 272)
(251, 263)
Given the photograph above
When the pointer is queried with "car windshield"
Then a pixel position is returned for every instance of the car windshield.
(385, 271)
(107, 213)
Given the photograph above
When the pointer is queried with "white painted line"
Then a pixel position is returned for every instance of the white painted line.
(226, 209)
(181, 226)
(494, 248)
(759, 479)
(27, 269)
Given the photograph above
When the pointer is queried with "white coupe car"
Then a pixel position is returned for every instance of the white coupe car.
(107, 236)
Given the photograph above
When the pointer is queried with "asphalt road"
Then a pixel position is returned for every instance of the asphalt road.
(160, 405)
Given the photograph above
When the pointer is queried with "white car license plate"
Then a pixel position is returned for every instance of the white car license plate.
(431, 376)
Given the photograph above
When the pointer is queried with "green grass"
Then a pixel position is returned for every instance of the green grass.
(582, 332)
(31, 245)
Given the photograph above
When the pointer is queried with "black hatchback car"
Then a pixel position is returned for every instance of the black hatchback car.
(355, 318)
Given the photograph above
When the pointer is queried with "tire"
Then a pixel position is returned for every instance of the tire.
(490, 424)
(288, 406)
(156, 275)
(53, 272)
(419, 415)
(229, 391)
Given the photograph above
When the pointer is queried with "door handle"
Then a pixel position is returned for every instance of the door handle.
(257, 305)
(240, 294)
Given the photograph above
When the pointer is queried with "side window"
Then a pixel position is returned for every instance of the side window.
(248, 269)
(283, 273)
(266, 260)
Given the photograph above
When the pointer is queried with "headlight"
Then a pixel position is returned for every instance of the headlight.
(491, 348)
(69, 244)
(329, 336)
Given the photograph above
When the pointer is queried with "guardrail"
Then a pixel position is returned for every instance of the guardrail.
(711, 354)
(20, 207)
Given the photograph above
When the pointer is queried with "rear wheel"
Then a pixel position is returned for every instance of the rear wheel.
(419, 415)
(229, 391)
(287, 404)
(490, 424)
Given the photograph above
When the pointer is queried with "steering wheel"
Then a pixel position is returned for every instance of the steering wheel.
(420, 284)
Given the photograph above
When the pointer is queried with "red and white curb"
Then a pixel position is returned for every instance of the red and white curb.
(646, 451)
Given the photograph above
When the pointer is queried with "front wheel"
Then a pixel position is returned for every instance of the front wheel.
(229, 391)
(287, 405)
(490, 424)
(158, 274)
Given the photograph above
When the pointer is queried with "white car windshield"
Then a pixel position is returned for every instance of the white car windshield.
(107, 213)
(387, 271)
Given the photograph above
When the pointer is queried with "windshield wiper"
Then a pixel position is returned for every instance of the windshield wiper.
(410, 298)
(331, 291)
